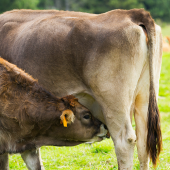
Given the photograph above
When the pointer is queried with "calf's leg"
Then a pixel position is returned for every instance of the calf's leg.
(4, 164)
(32, 159)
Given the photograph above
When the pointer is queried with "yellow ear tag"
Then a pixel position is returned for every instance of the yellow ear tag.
(64, 122)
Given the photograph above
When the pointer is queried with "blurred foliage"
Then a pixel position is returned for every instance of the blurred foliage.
(159, 9)
(100, 6)
(6, 5)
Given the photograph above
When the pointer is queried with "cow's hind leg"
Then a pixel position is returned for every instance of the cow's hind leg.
(4, 164)
(141, 110)
(32, 159)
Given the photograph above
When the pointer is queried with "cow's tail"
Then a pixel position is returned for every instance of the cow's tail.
(154, 136)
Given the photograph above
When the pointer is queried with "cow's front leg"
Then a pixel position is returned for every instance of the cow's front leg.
(118, 120)
(123, 136)
(141, 110)
(4, 164)
(32, 159)
(116, 106)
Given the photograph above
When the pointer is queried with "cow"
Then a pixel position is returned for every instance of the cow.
(111, 62)
(166, 44)
(168, 38)
(32, 117)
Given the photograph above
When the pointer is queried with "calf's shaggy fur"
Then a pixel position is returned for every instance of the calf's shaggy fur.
(31, 117)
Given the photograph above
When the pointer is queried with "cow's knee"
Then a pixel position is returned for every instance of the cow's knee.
(131, 136)
(124, 146)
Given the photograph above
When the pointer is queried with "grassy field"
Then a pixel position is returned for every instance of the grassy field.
(166, 30)
(101, 155)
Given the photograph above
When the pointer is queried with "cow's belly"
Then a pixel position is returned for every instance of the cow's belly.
(60, 84)
(87, 100)
(80, 91)
(84, 96)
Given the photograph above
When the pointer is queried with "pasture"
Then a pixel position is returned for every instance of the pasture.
(101, 155)
(166, 30)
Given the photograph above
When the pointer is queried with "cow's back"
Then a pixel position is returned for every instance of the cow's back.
(61, 41)
(25, 15)
(56, 48)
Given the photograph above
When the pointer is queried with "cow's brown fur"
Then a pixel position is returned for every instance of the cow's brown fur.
(154, 137)
(28, 112)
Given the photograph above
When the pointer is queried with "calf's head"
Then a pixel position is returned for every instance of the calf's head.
(77, 124)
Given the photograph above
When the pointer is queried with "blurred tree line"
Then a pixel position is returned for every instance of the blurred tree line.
(160, 9)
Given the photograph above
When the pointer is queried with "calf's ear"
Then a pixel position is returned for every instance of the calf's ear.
(66, 117)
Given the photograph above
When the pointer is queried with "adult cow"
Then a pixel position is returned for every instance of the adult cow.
(110, 61)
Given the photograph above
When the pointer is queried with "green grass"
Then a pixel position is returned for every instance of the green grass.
(101, 155)
(166, 30)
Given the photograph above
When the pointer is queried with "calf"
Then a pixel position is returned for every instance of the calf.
(31, 117)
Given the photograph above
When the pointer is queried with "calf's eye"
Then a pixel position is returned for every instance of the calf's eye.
(87, 116)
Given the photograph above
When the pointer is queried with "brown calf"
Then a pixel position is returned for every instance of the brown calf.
(31, 117)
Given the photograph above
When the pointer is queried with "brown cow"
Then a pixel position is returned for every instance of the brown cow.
(31, 117)
(111, 62)
(168, 38)
(166, 44)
